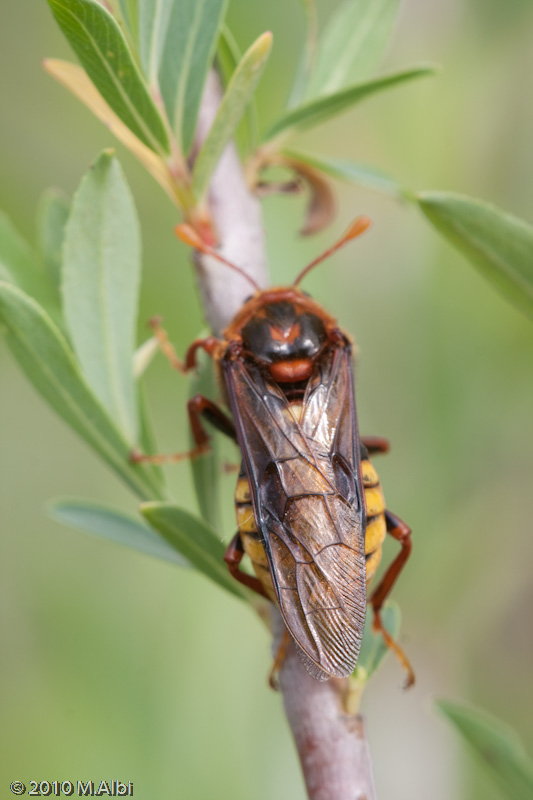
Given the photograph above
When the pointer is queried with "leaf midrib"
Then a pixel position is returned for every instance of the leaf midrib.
(153, 67)
(110, 353)
(131, 107)
(186, 70)
(334, 83)
(289, 123)
(203, 554)
(493, 258)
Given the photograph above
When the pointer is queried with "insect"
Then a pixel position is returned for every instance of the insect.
(310, 509)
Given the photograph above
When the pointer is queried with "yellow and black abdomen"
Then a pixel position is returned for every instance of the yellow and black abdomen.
(376, 526)
(250, 536)
(375, 533)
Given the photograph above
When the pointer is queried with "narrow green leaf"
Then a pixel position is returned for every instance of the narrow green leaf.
(317, 111)
(147, 437)
(51, 220)
(126, 12)
(20, 266)
(373, 647)
(114, 525)
(353, 172)
(153, 24)
(228, 56)
(195, 540)
(99, 43)
(130, 14)
(101, 279)
(190, 42)
(498, 244)
(205, 470)
(352, 44)
(240, 89)
(46, 358)
(307, 56)
(497, 745)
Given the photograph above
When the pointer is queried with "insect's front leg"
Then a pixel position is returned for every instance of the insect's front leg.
(210, 344)
(402, 532)
(197, 407)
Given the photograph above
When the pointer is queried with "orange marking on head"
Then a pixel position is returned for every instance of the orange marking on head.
(291, 371)
(285, 334)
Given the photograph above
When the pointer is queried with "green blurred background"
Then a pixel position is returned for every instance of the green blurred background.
(118, 666)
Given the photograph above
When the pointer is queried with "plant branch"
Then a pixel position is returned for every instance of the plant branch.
(331, 743)
(237, 219)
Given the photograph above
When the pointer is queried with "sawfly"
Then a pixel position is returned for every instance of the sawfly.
(310, 509)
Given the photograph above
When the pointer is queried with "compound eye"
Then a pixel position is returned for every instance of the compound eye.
(247, 299)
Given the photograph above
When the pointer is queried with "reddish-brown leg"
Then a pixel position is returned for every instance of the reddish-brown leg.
(168, 458)
(375, 444)
(228, 467)
(273, 677)
(198, 407)
(233, 557)
(209, 344)
(402, 532)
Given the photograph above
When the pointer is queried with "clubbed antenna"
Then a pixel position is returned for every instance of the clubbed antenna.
(188, 235)
(358, 226)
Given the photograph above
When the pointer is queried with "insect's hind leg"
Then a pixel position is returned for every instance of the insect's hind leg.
(233, 557)
(402, 532)
(375, 444)
(279, 658)
(197, 407)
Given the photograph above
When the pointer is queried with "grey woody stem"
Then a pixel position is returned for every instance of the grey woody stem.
(238, 222)
(331, 744)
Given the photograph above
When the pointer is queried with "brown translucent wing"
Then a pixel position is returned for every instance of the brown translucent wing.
(308, 504)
